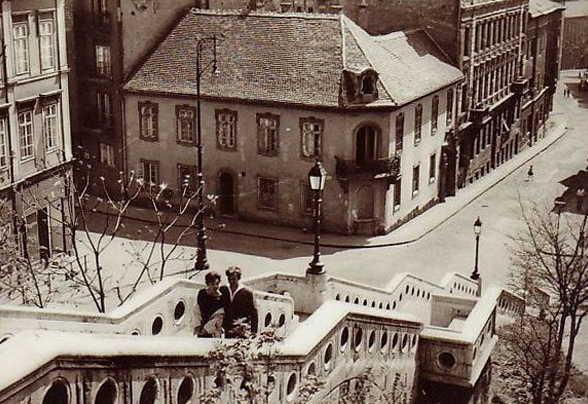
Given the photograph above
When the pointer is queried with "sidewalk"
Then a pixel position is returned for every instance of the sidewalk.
(409, 232)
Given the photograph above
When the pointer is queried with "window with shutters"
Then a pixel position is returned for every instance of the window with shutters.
(47, 42)
(312, 136)
(149, 171)
(226, 129)
(148, 121)
(268, 134)
(186, 124)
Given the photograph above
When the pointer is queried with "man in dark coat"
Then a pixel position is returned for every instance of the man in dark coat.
(240, 306)
(210, 309)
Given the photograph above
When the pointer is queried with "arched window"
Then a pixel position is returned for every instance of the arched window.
(366, 142)
(107, 393)
(149, 392)
(186, 390)
(57, 394)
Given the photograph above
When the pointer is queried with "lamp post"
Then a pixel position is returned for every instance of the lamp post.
(559, 203)
(477, 230)
(317, 177)
(201, 260)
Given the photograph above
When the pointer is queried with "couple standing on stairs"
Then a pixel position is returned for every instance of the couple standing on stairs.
(230, 308)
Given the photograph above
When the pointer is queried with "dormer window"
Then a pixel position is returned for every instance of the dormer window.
(367, 85)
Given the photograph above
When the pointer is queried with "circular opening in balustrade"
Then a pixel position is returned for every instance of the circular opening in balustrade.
(5, 338)
(186, 390)
(428, 295)
(413, 344)
(106, 393)
(291, 387)
(282, 320)
(407, 288)
(347, 299)
(384, 341)
(356, 301)
(418, 293)
(412, 291)
(135, 332)
(371, 340)
(475, 353)
(338, 297)
(365, 302)
(268, 319)
(157, 325)
(400, 298)
(381, 305)
(344, 338)
(179, 311)
(446, 360)
(388, 306)
(358, 338)
(374, 303)
(328, 356)
(394, 306)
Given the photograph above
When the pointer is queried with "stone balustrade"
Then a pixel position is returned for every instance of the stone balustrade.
(166, 308)
(337, 342)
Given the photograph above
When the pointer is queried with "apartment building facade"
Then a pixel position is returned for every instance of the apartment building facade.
(266, 119)
(111, 37)
(35, 147)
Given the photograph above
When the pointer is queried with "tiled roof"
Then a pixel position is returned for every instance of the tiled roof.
(291, 58)
(541, 7)
(578, 8)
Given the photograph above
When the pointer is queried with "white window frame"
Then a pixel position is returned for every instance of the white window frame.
(149, 171)
(226, 123)
(21, 48)
(47, 44)
(312, 133)
(107, 154)
(103, 60)
(26, 134)
(148, 116)
(268, 136)
(3, 143)
(186, 124)
(51, 126)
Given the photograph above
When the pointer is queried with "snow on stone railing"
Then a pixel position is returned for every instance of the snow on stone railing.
(336, 342)
(166, 308)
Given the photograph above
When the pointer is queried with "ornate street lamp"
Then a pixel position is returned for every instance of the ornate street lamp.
(317, 177)
(477, 231)
(201, 260)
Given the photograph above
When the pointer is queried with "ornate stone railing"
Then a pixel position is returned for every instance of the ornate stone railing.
(166, 308)
(338, 342)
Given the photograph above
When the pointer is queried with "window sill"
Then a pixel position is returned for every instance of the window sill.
(27, 159)
(149, 139)
(268, 154)
(51, 150)
(187, 143)
(229, 149)
(4, 168)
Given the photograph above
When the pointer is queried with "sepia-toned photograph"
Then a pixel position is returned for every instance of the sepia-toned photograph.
(294, 202)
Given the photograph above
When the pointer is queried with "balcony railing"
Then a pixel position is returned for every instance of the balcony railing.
(385, 168)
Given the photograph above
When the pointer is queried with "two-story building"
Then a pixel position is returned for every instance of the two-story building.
(291, 89)
(35, 149)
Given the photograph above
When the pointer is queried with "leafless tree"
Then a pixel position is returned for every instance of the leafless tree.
(549, 260)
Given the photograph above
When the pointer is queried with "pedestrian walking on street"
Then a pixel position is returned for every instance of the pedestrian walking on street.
(530, 173)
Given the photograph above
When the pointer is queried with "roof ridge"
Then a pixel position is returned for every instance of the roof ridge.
(266, 14)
